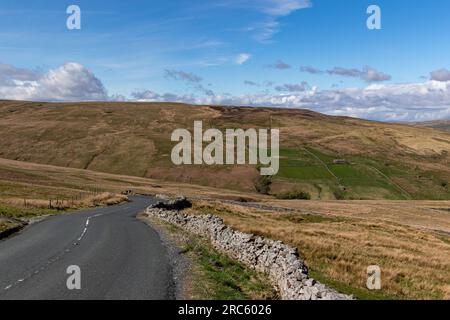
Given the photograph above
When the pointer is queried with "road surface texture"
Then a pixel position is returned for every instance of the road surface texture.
(119, 256)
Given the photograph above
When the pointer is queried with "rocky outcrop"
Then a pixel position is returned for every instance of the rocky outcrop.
(280, 262)
(180, 203)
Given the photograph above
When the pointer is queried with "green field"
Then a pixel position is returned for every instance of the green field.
(358, 178)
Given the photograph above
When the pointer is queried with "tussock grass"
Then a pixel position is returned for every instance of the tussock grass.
(101, 199)
(415, 263)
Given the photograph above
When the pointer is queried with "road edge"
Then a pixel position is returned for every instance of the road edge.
(178, 263)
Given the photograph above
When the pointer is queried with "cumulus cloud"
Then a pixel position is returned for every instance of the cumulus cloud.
(440, 75)
(70, 82)
(243, 58)
(251, 83)
(367, 74)
(204, 90)
(145, 95)
(311, 70)
(9, 74)
(151, 96)
(423, 101)
(118, 98)
(266, 84)
(345, 72)
(396, 102)
(298, 87)
(193, 80)
(280, 65)
(183, 76)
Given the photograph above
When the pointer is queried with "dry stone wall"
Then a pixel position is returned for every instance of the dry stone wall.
(280, 262)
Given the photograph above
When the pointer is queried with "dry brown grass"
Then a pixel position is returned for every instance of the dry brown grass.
(431, 215)
(101, 199)
(415, 262)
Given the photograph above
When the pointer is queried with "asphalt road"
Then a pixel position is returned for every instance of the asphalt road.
(119, 257)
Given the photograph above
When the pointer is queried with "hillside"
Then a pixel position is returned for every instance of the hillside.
(383, 161)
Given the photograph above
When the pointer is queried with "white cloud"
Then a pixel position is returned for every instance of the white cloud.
(399, 102)
(145, 95)
(243, 58)
(9, 73)
(367, 74)
(273, 10)
(251, 83)
(118, 98)
(370, 74)
(422, 101)
(191, 79)
(280, 65)
(70, 82)
(296, 87)
(440, 75)
(311, 70)
(280, 8)
(183, 76)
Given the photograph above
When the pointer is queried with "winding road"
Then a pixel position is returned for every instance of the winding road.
(119, 257)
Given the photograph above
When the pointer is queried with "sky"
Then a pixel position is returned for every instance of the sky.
(312, 54)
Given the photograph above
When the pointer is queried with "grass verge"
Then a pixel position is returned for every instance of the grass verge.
(7, 225)
(212, 275)
(12, 212)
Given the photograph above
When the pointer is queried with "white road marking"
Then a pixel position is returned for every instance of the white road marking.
(87, 224)
(82, 234)
(51, 261)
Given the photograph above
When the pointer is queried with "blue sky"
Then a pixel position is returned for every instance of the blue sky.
(233, 52)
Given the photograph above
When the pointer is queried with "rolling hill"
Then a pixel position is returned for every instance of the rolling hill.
(440, 125)
(382, 160)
